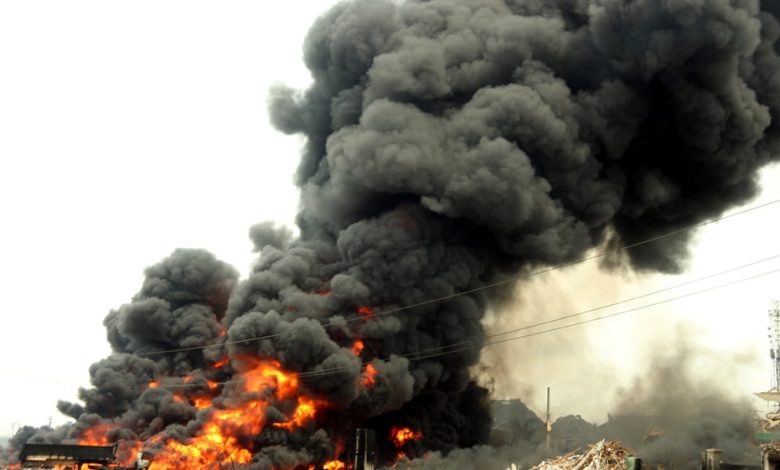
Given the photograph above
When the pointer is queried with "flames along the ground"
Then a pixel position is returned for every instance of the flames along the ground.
(225, 437)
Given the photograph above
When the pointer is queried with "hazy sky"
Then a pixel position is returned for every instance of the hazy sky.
(128, 129)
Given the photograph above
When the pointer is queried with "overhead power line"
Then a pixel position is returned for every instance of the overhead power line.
(613, 304)
(501, 282)
(476, 344)
(635, 309)
(479, 343)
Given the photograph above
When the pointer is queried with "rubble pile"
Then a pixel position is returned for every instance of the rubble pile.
(770, 423)
(604, 455)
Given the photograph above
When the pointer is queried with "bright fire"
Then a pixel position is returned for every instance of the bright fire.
(334, 465)
(95, 436)
(369, 376)
(226, 434)
(357, 347)
(401, 436)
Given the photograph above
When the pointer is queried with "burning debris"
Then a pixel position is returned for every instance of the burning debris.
(450, 144)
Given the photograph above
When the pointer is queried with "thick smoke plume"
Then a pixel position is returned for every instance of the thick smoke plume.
(448, 144)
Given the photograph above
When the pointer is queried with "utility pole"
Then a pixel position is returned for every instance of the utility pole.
(548, 424)
(774, 342)
(773, 395)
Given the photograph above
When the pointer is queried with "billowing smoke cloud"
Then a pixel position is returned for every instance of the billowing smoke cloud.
(542, 122)
(449, 144)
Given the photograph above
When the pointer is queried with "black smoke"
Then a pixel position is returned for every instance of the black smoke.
(450, 144)
(519, 134)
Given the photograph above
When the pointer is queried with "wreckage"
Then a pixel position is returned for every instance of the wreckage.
(604, 455)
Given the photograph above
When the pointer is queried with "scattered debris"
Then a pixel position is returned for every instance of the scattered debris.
(770, 423)
(604, 455)
(771, 448)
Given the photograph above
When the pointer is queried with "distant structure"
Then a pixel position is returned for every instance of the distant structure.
(774, 342)
(363, 450)
(773, 395)
(768, 434)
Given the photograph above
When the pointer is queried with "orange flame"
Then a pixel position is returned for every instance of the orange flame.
(201, 403)
(335, 465)
(367, 312)
(401, 436)
(219, 440)
(369, 376)
(220, 363)
(225, 437)
(357, 347)
(96, 435)
(304, 412)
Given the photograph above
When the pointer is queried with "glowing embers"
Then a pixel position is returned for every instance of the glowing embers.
(365, 311)
(400, 436)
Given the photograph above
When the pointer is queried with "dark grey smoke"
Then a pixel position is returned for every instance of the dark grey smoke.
(544, 126)
(180, 305)
(667, 417)
(690, 414)
(500, 136)
(450, 143)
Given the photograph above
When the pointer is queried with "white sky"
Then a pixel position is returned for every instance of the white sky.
(128, 129)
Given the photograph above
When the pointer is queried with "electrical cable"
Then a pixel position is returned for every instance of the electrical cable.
(613, 304)
(550, 330)
(465, 345)
(475, 289)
